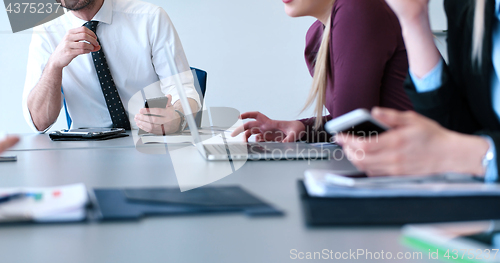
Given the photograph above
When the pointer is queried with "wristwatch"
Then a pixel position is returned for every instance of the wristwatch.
(183, 124)
(489, 156)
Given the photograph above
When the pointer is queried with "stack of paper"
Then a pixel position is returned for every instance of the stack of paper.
(171, 139)
(55, 204)
(324, 183)
(208, 134)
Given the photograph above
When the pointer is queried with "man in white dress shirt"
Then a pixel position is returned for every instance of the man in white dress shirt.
(129, 37)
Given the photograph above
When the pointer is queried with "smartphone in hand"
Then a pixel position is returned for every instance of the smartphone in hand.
(160, 102)
(358, 122)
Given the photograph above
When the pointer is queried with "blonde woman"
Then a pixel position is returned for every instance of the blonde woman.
(356, 54)
(462, 97)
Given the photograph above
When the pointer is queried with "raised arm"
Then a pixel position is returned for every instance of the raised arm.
(44, 75)
(413, 16)
(435, 88)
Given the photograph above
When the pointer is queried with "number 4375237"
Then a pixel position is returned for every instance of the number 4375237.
(33, 8)
(471, 253)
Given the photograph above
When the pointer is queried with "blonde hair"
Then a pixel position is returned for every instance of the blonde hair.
(320, 80)
(478, 33)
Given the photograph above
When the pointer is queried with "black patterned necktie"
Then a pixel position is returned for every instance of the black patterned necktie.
(113, 101)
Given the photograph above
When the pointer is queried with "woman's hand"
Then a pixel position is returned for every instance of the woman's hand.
(414, 146)
(269, 130)
(7, 143)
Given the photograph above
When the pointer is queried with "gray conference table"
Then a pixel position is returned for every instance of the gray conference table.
(202, 238)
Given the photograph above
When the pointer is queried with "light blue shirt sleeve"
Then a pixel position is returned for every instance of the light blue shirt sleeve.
(430, 82)
(491, 175)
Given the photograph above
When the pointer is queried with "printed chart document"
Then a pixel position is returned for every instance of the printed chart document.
(51, 204)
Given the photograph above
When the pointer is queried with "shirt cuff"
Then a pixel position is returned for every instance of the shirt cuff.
(491, 175)
(29, 120)
(431, 81)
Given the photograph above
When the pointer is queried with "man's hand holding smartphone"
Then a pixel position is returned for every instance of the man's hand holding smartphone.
(161, 120)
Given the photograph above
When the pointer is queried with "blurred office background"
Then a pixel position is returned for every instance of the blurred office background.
(252, 50)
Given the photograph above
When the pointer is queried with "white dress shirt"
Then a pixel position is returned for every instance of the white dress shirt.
(133, 35)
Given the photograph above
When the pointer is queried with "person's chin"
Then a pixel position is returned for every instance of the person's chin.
(291, 12)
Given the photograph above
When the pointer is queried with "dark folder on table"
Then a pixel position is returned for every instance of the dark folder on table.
(88, 134)
(133, 204)
(395, 210)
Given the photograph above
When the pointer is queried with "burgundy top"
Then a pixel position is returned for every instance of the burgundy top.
(368, 62)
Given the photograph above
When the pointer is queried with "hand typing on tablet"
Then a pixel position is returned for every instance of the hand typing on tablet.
(267, 130)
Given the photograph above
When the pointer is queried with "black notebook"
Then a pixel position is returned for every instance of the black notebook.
(396, 210)
(88, 134)
(135, 203)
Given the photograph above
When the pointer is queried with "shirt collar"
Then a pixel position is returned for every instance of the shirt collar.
(104, 15)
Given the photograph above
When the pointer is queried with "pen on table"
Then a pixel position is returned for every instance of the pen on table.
(7, 198)
(8, 159)
(14, 196)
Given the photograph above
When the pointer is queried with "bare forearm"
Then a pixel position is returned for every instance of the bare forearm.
(44, 101)
(423, 54)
